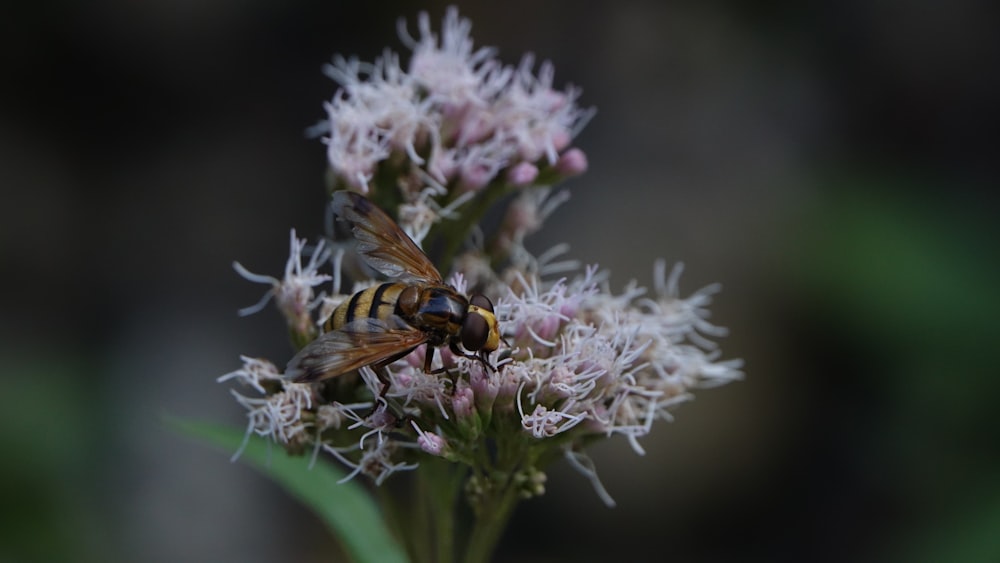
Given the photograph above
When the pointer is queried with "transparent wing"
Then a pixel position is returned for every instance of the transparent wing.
(381, 242)
(359, 343)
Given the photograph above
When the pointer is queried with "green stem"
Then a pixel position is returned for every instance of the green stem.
(431, 530)
(421, 522)
(494, 508)
(454, 233)
(445, 485)
(491, 520)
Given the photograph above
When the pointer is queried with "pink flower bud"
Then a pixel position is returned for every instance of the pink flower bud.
(522, 174)
(462, 401)
(561, 139)
(429, 441)
(572, 162)
(415, 359)
(475, 177)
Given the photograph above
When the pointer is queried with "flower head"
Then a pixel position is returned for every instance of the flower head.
(581, 361)
(578, 361)
(453, 120)
(293, 293)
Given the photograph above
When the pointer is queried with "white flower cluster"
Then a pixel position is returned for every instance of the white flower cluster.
(294, 292)
(576, 361)
(580, 361)
(456, 119)
(610, 364)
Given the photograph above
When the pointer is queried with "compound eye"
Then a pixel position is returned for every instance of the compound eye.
(482, 302)
(475, 331)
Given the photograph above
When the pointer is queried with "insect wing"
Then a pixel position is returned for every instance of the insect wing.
(357, 344)
(381, 242)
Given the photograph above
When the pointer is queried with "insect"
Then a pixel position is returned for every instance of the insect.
(384, 323)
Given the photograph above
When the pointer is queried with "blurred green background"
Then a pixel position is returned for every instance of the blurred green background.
(834, 165)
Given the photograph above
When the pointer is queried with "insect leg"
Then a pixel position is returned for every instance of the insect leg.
(480, 357)
(429, 359)
(383, 376)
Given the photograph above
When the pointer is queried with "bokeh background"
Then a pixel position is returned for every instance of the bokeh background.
(833, 164)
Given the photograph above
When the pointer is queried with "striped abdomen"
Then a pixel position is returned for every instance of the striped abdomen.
(377, 302)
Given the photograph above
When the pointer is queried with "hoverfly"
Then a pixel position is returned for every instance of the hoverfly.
(384, 323)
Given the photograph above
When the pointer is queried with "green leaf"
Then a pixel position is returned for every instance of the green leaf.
(346, 508)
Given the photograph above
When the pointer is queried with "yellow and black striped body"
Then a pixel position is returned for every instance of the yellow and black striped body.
(437, 310)
(377, 302)
(384, 323)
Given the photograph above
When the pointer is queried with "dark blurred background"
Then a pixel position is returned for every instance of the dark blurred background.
(835, 166)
